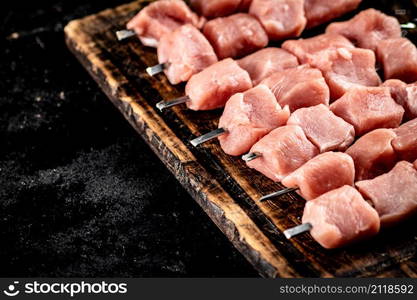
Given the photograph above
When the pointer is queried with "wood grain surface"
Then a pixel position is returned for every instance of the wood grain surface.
(224, 187)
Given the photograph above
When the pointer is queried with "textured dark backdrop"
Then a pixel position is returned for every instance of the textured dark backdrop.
(80, 193)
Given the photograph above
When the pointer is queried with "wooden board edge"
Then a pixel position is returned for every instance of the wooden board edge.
(220, 207)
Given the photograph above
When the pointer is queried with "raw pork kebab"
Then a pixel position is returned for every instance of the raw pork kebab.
(237, 28)
(258, 118)
(290, 153)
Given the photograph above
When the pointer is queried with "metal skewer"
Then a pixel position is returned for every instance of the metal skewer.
(251, 156)
(277, 194)
(159, 68)
(169, 103)
(208, 136)
(292, 232)
(408, 25)
(124, 34)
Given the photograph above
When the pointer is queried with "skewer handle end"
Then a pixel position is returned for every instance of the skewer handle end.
(277, 194)
(208, 136)
(292, 232)
(124, 34)
(408, 25)
(251, 156)
(159, 68)
(166, 104)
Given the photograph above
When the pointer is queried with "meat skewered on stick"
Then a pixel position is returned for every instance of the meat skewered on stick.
(338, 218)
(159, 18)
(271, 157)
(314, 179)
(246, 118)
(212, 87)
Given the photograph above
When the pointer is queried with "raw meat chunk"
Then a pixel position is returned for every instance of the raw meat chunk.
(312, 50)
(323, 128)
(162, 17)
(345, 69)
(283, 150)
(368, 28)
(399, 59)
(373, 154)
(219, 8)
(298, 87)
(322, 11)
(340, 217)
(405, 95)
(394, 194)
(185, 52)
(212, 87)
(368, 109)
(235, 36)
(405, 144)
(321, 174)
(280, 18)
(265, 62)
(249, 116)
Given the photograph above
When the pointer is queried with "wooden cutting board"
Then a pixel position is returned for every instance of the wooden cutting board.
(223, 186)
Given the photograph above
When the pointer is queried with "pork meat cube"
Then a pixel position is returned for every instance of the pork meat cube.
(341, 217)
(322, 11)
(405, 95)
(265, 62)
(394, 194)
(405, 144)
(219, 8)
(398, 58)
(281, 19)
(415, 164)
(321, 174)
(373, 154)
(345, 69)
(162, 17)
(299, 87)
(323, 128)
(368, 108)
(236, 35)
(212, 87)
(248, 117)
(368, 28)
(313, 50)
(185, 52)
(283, 150)
(343, 66)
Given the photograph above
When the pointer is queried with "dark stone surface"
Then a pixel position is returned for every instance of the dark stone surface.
(80, 193)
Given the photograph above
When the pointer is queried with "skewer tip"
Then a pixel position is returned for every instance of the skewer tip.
(166, 104)
(152, 71)
(292, 232)
(208, 136)
(408, 25)
(124, 34)
(277, 194)
(251, 156)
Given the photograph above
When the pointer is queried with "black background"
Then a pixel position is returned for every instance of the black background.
(80, 193)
